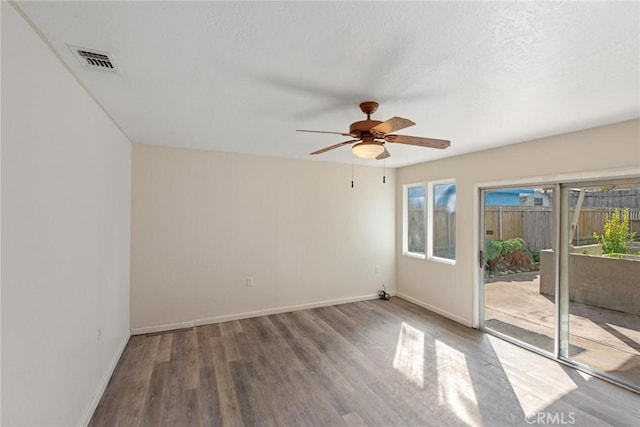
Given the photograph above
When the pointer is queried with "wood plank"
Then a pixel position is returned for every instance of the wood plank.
(164, 348)
(229, 406)
(153, 411)
(189, 356)
(210, 413)
(193, 408)
(252, 408)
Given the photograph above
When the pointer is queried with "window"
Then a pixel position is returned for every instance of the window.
(414, 219)
(430, 206)
(442, 218)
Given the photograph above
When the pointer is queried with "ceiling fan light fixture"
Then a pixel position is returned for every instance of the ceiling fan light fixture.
(367, 150)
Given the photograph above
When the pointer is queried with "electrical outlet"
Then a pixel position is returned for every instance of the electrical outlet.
(249, 282)
(377, 268)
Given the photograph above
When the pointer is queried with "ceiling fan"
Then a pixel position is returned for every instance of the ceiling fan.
(370, 136)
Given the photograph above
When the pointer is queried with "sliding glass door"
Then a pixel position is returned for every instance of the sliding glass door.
(582, 306)
(517, 230)
(601, 278)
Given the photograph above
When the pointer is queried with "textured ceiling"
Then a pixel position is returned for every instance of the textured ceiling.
(243, 76)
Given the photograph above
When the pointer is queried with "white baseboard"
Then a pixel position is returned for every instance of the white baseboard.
(162, 328)
(288, 309)
(435, 309)
(250, 314)
(88, 413)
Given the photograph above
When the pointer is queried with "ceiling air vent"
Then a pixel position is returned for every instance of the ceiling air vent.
(94, 60)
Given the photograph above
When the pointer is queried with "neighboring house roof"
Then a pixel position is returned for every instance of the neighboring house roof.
(506, 197)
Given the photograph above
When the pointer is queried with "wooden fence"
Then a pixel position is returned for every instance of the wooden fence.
(532, 223)
(415, 230)
(535, 224)
(444, 225)
(444, 232)
(618, 198)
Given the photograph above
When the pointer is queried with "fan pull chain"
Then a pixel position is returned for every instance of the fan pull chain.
(351, 173)
(384, 171)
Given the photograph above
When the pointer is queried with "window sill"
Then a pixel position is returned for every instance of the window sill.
(443, 260)
(414, 255)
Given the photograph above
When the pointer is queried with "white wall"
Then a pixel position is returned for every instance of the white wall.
(202, 222)
(65, 236)
(448, 289)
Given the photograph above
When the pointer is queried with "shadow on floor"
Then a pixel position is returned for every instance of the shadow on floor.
(533, 338)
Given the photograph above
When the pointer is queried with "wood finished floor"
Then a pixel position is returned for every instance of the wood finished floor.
(377, 363)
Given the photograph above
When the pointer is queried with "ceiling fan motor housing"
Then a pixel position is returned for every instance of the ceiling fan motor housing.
(363, 127)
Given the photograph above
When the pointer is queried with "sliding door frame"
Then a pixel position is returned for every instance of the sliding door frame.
(481, 239)
(563, 280)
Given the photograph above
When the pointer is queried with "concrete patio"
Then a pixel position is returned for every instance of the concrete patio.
(606, 340)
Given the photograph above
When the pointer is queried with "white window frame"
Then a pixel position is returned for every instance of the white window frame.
(405, 219)
(430, 232)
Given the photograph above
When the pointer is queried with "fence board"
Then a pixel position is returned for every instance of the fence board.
(416, 230)
(444, 231)
(538, 229)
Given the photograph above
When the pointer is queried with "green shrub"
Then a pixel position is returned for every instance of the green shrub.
(511, 254)
(535, 255)
(617, 236)
(495, 248)
(492, 249)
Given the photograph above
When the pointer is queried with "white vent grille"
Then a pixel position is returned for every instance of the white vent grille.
(94, 60)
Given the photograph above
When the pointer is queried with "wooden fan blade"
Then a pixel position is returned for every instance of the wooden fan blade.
(416, 140)
(384, 155)
(324, 131)
(325, 149)
(391, 125)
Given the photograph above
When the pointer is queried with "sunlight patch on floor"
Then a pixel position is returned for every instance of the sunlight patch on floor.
(454, 383)
(525, 386)
(409, 357)
(584, 375)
